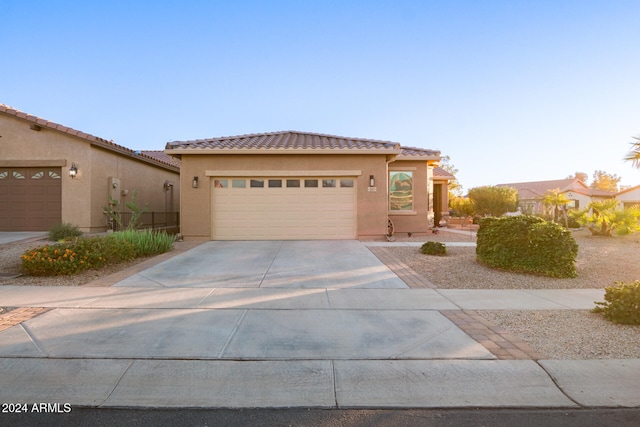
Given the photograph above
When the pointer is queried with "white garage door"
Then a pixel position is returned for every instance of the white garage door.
(274, 208)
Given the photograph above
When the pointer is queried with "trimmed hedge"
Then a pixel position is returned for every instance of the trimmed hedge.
(527, 244)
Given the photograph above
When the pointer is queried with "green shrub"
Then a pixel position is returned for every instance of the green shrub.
(527, 244)
(64, 231)
(622, 303)
(73, 257)
(147, 242)
(433, 248)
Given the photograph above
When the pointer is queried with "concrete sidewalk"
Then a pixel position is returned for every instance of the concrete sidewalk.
(287, 338)
(11, 237)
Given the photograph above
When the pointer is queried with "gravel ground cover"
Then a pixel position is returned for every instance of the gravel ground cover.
(600, 262)
(10, 263)
(558, 334)
(570, 334)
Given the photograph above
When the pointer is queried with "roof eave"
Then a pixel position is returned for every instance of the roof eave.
(424, 157)
(224, 151)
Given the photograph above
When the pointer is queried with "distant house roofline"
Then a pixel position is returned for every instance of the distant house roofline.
(540, 188)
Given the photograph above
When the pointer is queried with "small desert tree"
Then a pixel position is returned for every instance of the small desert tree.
(493, 200)
(462, 205)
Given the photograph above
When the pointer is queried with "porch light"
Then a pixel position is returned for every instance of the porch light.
(73, 170)
(194, 183)
(372, 181)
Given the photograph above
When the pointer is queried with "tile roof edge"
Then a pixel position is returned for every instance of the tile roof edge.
(250, 135)
(95, 140)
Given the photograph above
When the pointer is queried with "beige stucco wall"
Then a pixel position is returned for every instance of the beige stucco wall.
(630, 197)
(196, 202)
(132, 176)
(84, 196)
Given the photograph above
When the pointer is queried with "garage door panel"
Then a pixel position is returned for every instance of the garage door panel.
(33, 198)
(284, 213)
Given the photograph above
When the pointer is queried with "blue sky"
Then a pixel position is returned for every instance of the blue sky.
(511, 90)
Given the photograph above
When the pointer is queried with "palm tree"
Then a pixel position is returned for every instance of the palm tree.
(633, 156)
(557, 200)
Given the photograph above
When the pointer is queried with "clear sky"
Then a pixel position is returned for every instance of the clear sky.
(511, 90)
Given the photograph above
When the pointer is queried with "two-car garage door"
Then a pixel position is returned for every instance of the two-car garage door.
(284, 208)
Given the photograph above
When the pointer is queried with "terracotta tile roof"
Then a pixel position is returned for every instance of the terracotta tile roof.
(626, 190)
(419, 152)
(162, 157)
(92, 139)
(537, 189)
(286, 140)
(439, 172)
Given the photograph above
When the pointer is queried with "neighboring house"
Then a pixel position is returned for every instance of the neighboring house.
(37, 158)
(629, 197)
(293, 185)
(531, 194)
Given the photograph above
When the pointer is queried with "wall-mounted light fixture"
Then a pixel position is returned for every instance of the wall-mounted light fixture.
(194, 183)
(73, 170)
(372, 181)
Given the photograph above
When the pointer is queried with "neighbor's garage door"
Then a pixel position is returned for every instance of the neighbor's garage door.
(284, 208)
(30, 198)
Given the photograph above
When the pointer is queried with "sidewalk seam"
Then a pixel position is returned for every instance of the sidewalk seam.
(131, 362)
(232, 334)
(335, 384)
(213, 291)
(33, 340)
(558, 386)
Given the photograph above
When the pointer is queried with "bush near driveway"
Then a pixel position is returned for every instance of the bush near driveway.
(93, 252)
(64, 231)
(433, 248)
(73, 257)
(527, 244)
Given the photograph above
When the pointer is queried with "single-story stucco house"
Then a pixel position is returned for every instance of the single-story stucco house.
(50, 173)
(531, 194)
(629, 196)
(296, 186)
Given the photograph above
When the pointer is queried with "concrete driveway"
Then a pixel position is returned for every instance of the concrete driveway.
(328, 264)
(281, 324)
